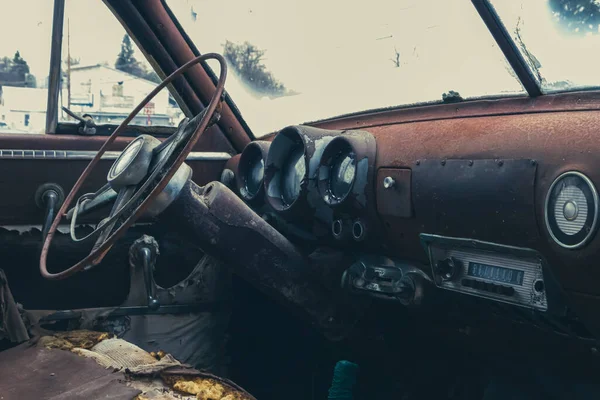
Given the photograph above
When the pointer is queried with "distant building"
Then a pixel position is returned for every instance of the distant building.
(23, 109)
(105, 93)
(109, 95)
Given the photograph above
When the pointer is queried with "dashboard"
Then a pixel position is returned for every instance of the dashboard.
(501, 206)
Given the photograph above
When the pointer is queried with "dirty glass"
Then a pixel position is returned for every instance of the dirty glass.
(104, 73)
(25, 33)
(292, 62)
(559, 40)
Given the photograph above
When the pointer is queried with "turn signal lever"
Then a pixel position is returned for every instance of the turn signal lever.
(49, 197)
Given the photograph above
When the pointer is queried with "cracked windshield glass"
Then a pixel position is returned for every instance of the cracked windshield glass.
(558, 39)
(103, 72)
(293, 62)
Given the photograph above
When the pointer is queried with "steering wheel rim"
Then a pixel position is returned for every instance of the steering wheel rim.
(98, 253)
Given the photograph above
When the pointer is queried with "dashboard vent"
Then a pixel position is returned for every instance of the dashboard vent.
(571, 210)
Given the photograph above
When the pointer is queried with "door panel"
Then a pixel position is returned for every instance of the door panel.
(28, 161)
(24, 171)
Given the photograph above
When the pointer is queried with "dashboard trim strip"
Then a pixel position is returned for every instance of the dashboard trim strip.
(20, 154)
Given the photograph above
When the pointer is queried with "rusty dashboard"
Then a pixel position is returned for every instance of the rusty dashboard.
(514, 180)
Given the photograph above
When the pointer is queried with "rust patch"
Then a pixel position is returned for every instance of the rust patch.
(83, 339)
(204, 388)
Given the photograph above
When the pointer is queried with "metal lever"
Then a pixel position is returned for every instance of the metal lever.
(143, 253)
(87, 126)
(384, 278)
(49, 197)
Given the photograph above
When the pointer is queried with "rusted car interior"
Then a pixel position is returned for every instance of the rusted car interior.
(439, 250)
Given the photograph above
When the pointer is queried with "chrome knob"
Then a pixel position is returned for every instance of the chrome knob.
(388, 182)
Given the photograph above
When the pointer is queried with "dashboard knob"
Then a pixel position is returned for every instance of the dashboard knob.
(388, 182)
(448, 268)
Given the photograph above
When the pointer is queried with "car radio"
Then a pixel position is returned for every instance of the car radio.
(501, 273)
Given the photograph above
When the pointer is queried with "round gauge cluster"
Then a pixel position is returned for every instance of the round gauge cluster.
(286, 174)
(292, 175)
(305, 170)
(252, 170)
(337, 171)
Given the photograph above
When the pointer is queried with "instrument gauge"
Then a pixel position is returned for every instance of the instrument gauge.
(342, 175)
(251, 170)
(337, 171)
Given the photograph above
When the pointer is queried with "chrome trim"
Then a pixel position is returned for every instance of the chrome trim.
(89, 154)
(170, 192)
(466, 250)
(594, 222)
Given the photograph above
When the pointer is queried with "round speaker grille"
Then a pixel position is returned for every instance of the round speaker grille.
(571, 210)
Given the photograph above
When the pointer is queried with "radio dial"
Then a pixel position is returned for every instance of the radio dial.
(448, 269)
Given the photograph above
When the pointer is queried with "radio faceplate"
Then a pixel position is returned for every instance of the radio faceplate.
(501, 273)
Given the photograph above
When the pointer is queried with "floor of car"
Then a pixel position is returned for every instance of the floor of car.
(276, 356)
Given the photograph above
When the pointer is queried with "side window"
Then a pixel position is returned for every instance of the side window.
(26, 31)
(104, 74)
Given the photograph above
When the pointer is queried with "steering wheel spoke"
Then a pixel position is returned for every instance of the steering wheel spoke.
(107, 226)
(92, 201)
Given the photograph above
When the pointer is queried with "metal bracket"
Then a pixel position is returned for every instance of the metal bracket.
(87, 126)
(384, 278)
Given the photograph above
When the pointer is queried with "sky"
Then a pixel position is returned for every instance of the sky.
(95, 33)
(335, 53)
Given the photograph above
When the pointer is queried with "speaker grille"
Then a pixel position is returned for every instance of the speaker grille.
(571, 210)
(573, 197)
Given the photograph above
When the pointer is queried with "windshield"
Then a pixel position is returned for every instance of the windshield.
(103, 78)
(293, 62)
(558, 39)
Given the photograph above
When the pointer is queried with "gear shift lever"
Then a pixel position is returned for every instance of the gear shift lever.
(142, 254)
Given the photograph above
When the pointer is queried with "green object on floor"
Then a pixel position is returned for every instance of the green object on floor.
(344, 378)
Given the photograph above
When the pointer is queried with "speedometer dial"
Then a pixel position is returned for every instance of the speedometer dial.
(251, 170)
(293, 173)
(254, 177)
(343, 172)
(338, 170)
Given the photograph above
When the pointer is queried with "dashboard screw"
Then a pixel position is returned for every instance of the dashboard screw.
(443, 162)
(533, 162)
(470, 163)
(418, 162)
(500, 163)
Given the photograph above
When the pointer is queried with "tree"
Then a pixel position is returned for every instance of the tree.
(578, 16)
(15, 72)
(247, 61)
(20, 65)
(126, 62)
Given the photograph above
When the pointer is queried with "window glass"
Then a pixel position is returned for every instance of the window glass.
(559, 40)
(303, 60)
(104, 74)
(25, 33)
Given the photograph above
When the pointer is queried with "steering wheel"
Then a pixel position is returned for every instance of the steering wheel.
(138, 176)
